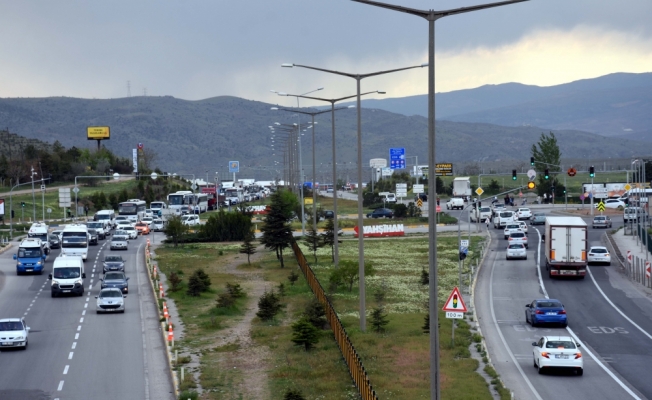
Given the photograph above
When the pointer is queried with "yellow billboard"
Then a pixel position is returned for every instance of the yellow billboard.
(98, 133)
(307, 200)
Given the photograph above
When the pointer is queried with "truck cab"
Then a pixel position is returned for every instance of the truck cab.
(30, 256)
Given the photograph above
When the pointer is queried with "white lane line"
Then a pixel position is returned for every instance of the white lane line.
(93, 275)
(615, 307)
(29, 308)
(76, 336)
(74, 344)
(70, 355)
(65, 370)
(79, 328)
(502, 338)
(81, 320)
(84, 312)
(60, 386)
(577, 339)
(86, 305)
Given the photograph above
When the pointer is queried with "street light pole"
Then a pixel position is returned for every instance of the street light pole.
(358, 78)
(431, 16)
(33, 197)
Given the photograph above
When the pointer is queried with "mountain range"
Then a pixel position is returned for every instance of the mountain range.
(489, 124)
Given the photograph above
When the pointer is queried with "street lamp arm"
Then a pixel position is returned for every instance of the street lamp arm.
(434, 15)
(413, 11)
(322, 69)
(308, 112)
(390, 71)
(463, 10)
(332, 100)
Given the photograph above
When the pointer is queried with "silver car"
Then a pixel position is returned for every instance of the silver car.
(13, 332)
(157, 225)
(120, 241)
(601, 221)
(518, 237)
(516, 250)
(110, 300)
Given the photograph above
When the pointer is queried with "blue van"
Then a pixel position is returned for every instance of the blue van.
(30, 257)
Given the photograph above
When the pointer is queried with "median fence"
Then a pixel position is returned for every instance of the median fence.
(167, 328)
(353, 360)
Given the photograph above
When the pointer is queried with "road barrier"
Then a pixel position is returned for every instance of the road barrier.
(351, 357)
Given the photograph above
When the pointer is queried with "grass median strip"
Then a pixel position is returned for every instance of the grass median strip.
(233, 359)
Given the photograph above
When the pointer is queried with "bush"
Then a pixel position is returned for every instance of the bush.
(315, 314)
(235, 290)
(293, 394)
(225, 300)
(226, 227)
(379, 319)
(400, 211)
(204, 278)
(188, 395)
(305, 334)
(293, 277)
(195, 286)
(175, 281)
(269, 305)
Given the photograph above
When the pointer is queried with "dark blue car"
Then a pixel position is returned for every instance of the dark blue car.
(546, 311)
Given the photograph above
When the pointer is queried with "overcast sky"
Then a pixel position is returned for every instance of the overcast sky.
(196, 49)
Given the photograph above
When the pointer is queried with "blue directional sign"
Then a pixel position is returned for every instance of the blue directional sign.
(397, 158)
(234, 166)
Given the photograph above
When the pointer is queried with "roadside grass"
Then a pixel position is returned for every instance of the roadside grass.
(397, 360)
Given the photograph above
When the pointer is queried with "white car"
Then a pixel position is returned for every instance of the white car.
(123, 223)
(190, 220)
(523, 226)
(609, 203)
(514, 227)
(13, 332)
(524, 213)
(599, 254)
(132, 231)
(147, 220)
(557, 352)
(518, 237)
(110, 300)
(516, 250)
(149, 212)
(157, 225)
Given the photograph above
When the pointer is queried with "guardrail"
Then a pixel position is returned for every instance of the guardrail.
(633, 266)
(353, 360)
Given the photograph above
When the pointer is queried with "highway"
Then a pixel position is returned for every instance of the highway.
(75, 353)
(606, 312)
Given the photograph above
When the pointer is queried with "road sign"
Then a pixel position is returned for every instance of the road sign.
(378, 163)
(647, 269)
(401, 186)
(464, 243)
(234, 166)
(572, 172)
(416, 189)
(307, 200)
(419, 203)
(531, 174)
(43, 187)
(600, 206)
(455, 302)
(193, 186)
(444, 169)
(582, 197)
(628, 187)
(454, 315)
(64, 197)
(49, 210)
(75, 189)
(397, 158)
(479, 191)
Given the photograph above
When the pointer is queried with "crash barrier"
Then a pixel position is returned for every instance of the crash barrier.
(353, 360)
(166, 327)
(636, 268)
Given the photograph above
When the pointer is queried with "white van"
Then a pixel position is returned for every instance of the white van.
(67, 276)
(39, 230)
(387, 197)
(106, 216)
(74, 240)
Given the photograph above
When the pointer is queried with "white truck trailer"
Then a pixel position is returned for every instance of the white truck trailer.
(566, 246)
(462, 187)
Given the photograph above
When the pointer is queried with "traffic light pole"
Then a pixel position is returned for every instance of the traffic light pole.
(532, 160)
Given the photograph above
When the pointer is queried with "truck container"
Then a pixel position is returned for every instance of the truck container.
(462, 187)
(565, 246)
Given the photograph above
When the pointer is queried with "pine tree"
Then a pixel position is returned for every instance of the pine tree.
(195, 286)
(203, 278)
(328, 237)
(248, 246)
(379, 319)
(426, 324)
(235, 290)
(425, 277)
(293, 277)
(269, 305)
(305, 334)
(315, 313)
(277, 234)
(313, 240)
(175, 281)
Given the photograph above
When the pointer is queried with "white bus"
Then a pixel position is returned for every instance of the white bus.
(176, 200)
(133, 209)
(235, 195)
(197, 202)
(74, 241)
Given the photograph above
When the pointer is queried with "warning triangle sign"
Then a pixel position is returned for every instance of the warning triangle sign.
(455, 302)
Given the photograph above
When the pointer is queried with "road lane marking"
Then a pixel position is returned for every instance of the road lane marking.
(81, 320)
(502, 338)
(86, 305)
(572, 333)
(616, 308)
(76, 336)
(70, 355)
(79, 328)
(84, 312)
(60, 386)
(74, 344)
(65, 370)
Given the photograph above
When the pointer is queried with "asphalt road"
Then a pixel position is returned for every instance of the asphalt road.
(606, 312)
(75, 353)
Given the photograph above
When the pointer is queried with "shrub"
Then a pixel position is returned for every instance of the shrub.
(175, 281)
(293, 394)
(425, 277)
(293, 277)
(235, 290)
(269, 305)
(188, 395)
(203, 278)
(379, 319)
(400, 211)
(305, 334)
(315, 313)
(195, 286)
(225, 300)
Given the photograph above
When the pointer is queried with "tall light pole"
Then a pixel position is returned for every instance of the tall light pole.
(431, 16)
(314, 173)
(33, 197)
(358, 78)
(336, 253)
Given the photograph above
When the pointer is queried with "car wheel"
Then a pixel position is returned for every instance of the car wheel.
(26, 344)
(564, 325)
(525, 258)
(540, 370)
(580, 372)
(534, 361)
(53, 294)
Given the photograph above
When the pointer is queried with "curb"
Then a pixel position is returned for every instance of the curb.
(7, 247)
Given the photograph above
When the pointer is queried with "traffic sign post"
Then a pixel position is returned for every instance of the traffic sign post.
(479, 191)
(454, 306)
(397, 158)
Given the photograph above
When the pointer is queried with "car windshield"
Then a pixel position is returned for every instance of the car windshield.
(66, 273)
(513, 226)
(516, 246)
(113, 276)
(113, 258)
(29, 252)
(54, 237)
(11, 326)
(560, 344)
(120, 233)
(549, 304)
(75, 239)
(110, 293)
(539, 214)
(158, 221)
(485, 209)
(506, 214)
(598, 250)
(128, 228)
(92, 231)
(599, 218)
(141, 224)
(95, 225)
(517, 235)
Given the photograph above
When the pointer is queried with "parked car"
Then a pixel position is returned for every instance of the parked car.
(557, 352)
(601, 221)
(546, 311)
(13, 333)
(381, 213)
(599, 254)
(610, 203)
(116, 280)
(516, 250)
(113, 263)
(538, 218)
(110, 300)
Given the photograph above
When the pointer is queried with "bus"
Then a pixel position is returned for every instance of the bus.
(74, 241)
(197, 202)
(176, 200)
(133, 209)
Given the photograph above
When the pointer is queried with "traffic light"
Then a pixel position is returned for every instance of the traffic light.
(546, 174)
(513, 174)
(531, 185)
(532, 161)
(22, 204)
(462, 255)
(591, 171)
(564, 189)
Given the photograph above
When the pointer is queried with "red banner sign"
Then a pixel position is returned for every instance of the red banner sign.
(381, 230)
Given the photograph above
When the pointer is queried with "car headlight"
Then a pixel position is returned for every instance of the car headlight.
(79, 281)
(38, 262)
(19, 337)
(54, 282)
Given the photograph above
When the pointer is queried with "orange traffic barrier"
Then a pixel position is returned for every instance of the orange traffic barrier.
(170, 334)
(160, 290)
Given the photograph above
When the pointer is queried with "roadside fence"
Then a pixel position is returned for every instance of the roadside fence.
(351, 357)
